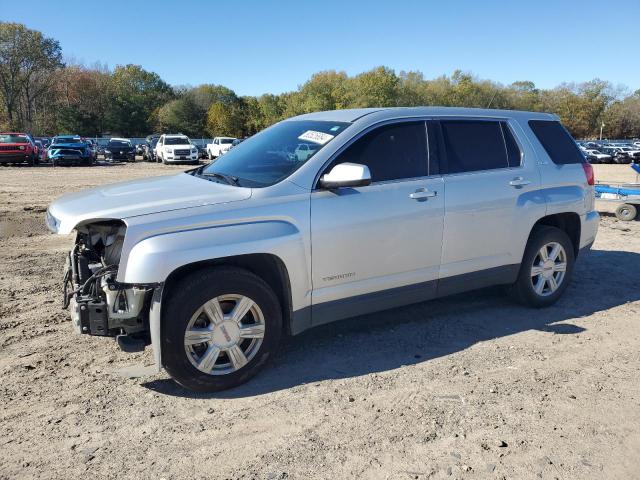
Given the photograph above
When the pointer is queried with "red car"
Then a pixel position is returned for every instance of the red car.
(18, 148)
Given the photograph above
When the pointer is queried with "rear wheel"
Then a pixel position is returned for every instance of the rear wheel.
(626, 212)
(219, 328)
(546, 269)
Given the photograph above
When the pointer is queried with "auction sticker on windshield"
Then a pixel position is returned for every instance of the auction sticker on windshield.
(316, 137)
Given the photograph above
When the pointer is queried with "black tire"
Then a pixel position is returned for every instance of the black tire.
(187, 296)
(523, 289)
(626, 212)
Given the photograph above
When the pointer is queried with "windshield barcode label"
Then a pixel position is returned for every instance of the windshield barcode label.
(316, 137)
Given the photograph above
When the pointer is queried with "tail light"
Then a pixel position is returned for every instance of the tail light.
(588, 172)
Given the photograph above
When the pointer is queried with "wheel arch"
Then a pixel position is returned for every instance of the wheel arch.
(568, 222)
(269, 267)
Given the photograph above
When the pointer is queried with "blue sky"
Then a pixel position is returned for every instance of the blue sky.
(257, 47)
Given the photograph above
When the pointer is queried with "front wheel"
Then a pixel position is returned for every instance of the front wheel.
(219, 328)
(546, 268)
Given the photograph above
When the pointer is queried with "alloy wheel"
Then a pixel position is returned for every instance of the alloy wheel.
(548, 269)
(224, 334)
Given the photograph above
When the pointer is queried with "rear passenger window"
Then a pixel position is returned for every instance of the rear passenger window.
(474, 145)
(391, 152)
(560, 147)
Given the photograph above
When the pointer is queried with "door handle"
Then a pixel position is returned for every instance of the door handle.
(519, 182)
(422, 194)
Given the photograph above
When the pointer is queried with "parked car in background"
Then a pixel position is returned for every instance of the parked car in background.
(632, 151)
(303, 151)
(596, 156)
(149, 154)
(202, 150)
(120, 149)
(18, 147)
(236, 142)
(219, 146)
(92, 147)
(395, 206)
(46, 141)
(69, 150)
(620, 154)
(149, 147)
(40, 149)
(176, 149)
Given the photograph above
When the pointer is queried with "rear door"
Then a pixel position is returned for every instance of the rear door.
(378, 246)
(490, 202)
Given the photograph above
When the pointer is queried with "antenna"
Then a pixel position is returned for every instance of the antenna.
(490, 101)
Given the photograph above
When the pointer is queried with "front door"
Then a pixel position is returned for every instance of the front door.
(378, 246)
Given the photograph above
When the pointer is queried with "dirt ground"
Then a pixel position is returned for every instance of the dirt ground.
(471, 386)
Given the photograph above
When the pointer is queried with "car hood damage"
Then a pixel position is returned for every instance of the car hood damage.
(138, 197)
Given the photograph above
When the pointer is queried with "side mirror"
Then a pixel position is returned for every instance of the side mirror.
(346, 175)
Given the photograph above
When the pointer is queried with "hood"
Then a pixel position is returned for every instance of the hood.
(139, 197)
(65, 152)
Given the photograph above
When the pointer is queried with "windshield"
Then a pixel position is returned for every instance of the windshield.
(8, 138)
(67, 140)
(119, 143)
(176, 141)
(227, 140)
(273, 154)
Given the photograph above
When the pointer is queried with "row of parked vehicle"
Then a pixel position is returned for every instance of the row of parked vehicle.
(610, 152)
(61, 150)
(173, 148)
(18, 147)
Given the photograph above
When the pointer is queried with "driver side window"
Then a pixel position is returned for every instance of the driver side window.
(391, 152)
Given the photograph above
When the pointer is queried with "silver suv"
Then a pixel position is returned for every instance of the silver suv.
(390, 206)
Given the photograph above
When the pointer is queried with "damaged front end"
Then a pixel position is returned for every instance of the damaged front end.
(98, 303)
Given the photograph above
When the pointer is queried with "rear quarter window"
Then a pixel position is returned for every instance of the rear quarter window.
(557, 142)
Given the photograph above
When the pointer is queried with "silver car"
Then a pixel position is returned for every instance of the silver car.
(392, 206)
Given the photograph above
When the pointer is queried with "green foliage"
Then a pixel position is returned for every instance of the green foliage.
(375, 88)
(182, 115)
(226, 119)
(27, 60)
(39, 93)
(135, 95)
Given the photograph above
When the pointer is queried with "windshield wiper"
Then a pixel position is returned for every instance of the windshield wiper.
(229, 179)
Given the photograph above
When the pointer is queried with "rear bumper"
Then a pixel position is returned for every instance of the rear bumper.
(590, 222)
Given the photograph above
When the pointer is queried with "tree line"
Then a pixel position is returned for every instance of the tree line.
(42, 94)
